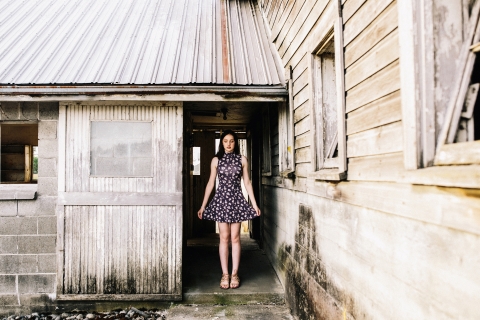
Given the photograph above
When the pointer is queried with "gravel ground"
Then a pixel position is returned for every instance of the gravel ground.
(220, 312)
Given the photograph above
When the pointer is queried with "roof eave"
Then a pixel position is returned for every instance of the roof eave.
(144, 92)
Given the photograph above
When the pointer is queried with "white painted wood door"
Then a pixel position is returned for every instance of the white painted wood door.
(120, 201)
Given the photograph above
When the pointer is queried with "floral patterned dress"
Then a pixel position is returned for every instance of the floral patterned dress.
(229, 204)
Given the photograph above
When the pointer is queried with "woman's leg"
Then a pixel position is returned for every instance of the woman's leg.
(224, 229)
(236, 246)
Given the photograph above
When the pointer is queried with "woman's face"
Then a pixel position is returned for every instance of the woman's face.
(228, 143)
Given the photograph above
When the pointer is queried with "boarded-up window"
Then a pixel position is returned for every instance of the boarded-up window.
(327, 101)
(439, 82)
(324, 106)
(121, 149)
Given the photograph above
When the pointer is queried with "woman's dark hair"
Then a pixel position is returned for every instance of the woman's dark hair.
(221, 149)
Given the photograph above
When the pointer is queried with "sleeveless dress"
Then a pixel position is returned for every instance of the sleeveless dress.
(229, 204)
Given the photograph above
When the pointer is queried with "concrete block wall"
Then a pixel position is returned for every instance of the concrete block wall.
(342, 261)
(28, 227)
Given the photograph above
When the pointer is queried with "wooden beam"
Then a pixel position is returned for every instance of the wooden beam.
(458, 153)
(223, 97)
(119, 297)
(28, 163)
(119, 199)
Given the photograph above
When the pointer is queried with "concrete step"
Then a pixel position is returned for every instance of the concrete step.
(202, 273)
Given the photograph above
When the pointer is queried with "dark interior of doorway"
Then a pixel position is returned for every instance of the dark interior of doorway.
(205, 145)
(203, 124)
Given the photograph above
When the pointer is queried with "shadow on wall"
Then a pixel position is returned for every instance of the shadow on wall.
(309, 291)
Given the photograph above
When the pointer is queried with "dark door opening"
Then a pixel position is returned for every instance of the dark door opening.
(203, 126)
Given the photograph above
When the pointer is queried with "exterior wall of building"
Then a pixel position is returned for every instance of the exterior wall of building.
(28, 228)
(386, 243)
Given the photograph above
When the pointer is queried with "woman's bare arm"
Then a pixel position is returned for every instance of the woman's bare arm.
(248, 185)
(210, 185)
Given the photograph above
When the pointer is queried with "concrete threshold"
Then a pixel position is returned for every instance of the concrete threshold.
(202, 273)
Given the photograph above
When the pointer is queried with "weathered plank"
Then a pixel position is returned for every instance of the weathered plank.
(126, 265)
(302, 126)
(301, 65)
(380, 112)
(302, 155)
(303, 169)
(380, 56)
(301, 112)
(363, 17)
(306, 21)
(118, 198)
(300, 82)
(350, 7)
(291, 10)
(398, 198)
(385, 139)
(315, 36)
(302, 140)
(376, 31)
(380, 84)
(458, 153)
(302, 96)
(385, 167)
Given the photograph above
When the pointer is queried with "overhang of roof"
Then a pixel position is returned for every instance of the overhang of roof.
(89, 47)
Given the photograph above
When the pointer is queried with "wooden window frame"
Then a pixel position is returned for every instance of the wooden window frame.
(286, 135)
(266, 143)
(330, 170)
(417, 70)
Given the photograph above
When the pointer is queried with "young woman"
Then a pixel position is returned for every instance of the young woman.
(229, 207)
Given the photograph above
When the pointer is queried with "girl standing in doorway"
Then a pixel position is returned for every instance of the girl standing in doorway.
(229, 207)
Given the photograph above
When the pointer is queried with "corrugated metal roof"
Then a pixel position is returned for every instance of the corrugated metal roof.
(135, 42)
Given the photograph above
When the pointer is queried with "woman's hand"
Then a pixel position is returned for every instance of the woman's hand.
(200, 212)
(257, 210)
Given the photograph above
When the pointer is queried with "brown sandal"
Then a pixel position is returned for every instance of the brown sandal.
(225, 281)
(235, 281)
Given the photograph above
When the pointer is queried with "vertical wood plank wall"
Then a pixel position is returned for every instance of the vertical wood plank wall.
(374, 246)
(123, 249)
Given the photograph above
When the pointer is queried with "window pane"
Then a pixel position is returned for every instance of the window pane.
(121, 149)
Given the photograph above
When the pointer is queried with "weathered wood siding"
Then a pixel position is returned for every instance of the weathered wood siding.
(388, 243)
(121, 235)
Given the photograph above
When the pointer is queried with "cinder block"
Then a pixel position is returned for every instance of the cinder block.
(18, 225)
(40, 303)
(47, 130)
(47, 186)
(8, 244)
(47, 167)
(47, 225)
(48, 148)
(8, 300)
(10, 111)
(13, 264)
(36, 244)
(8, 284)
(48, 110)
(36, 283)
(47, 263)
(29, 111)
(27, 207)
(8, 208)
(47, 206)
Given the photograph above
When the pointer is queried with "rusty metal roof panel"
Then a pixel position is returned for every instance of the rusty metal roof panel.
(45, 42)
